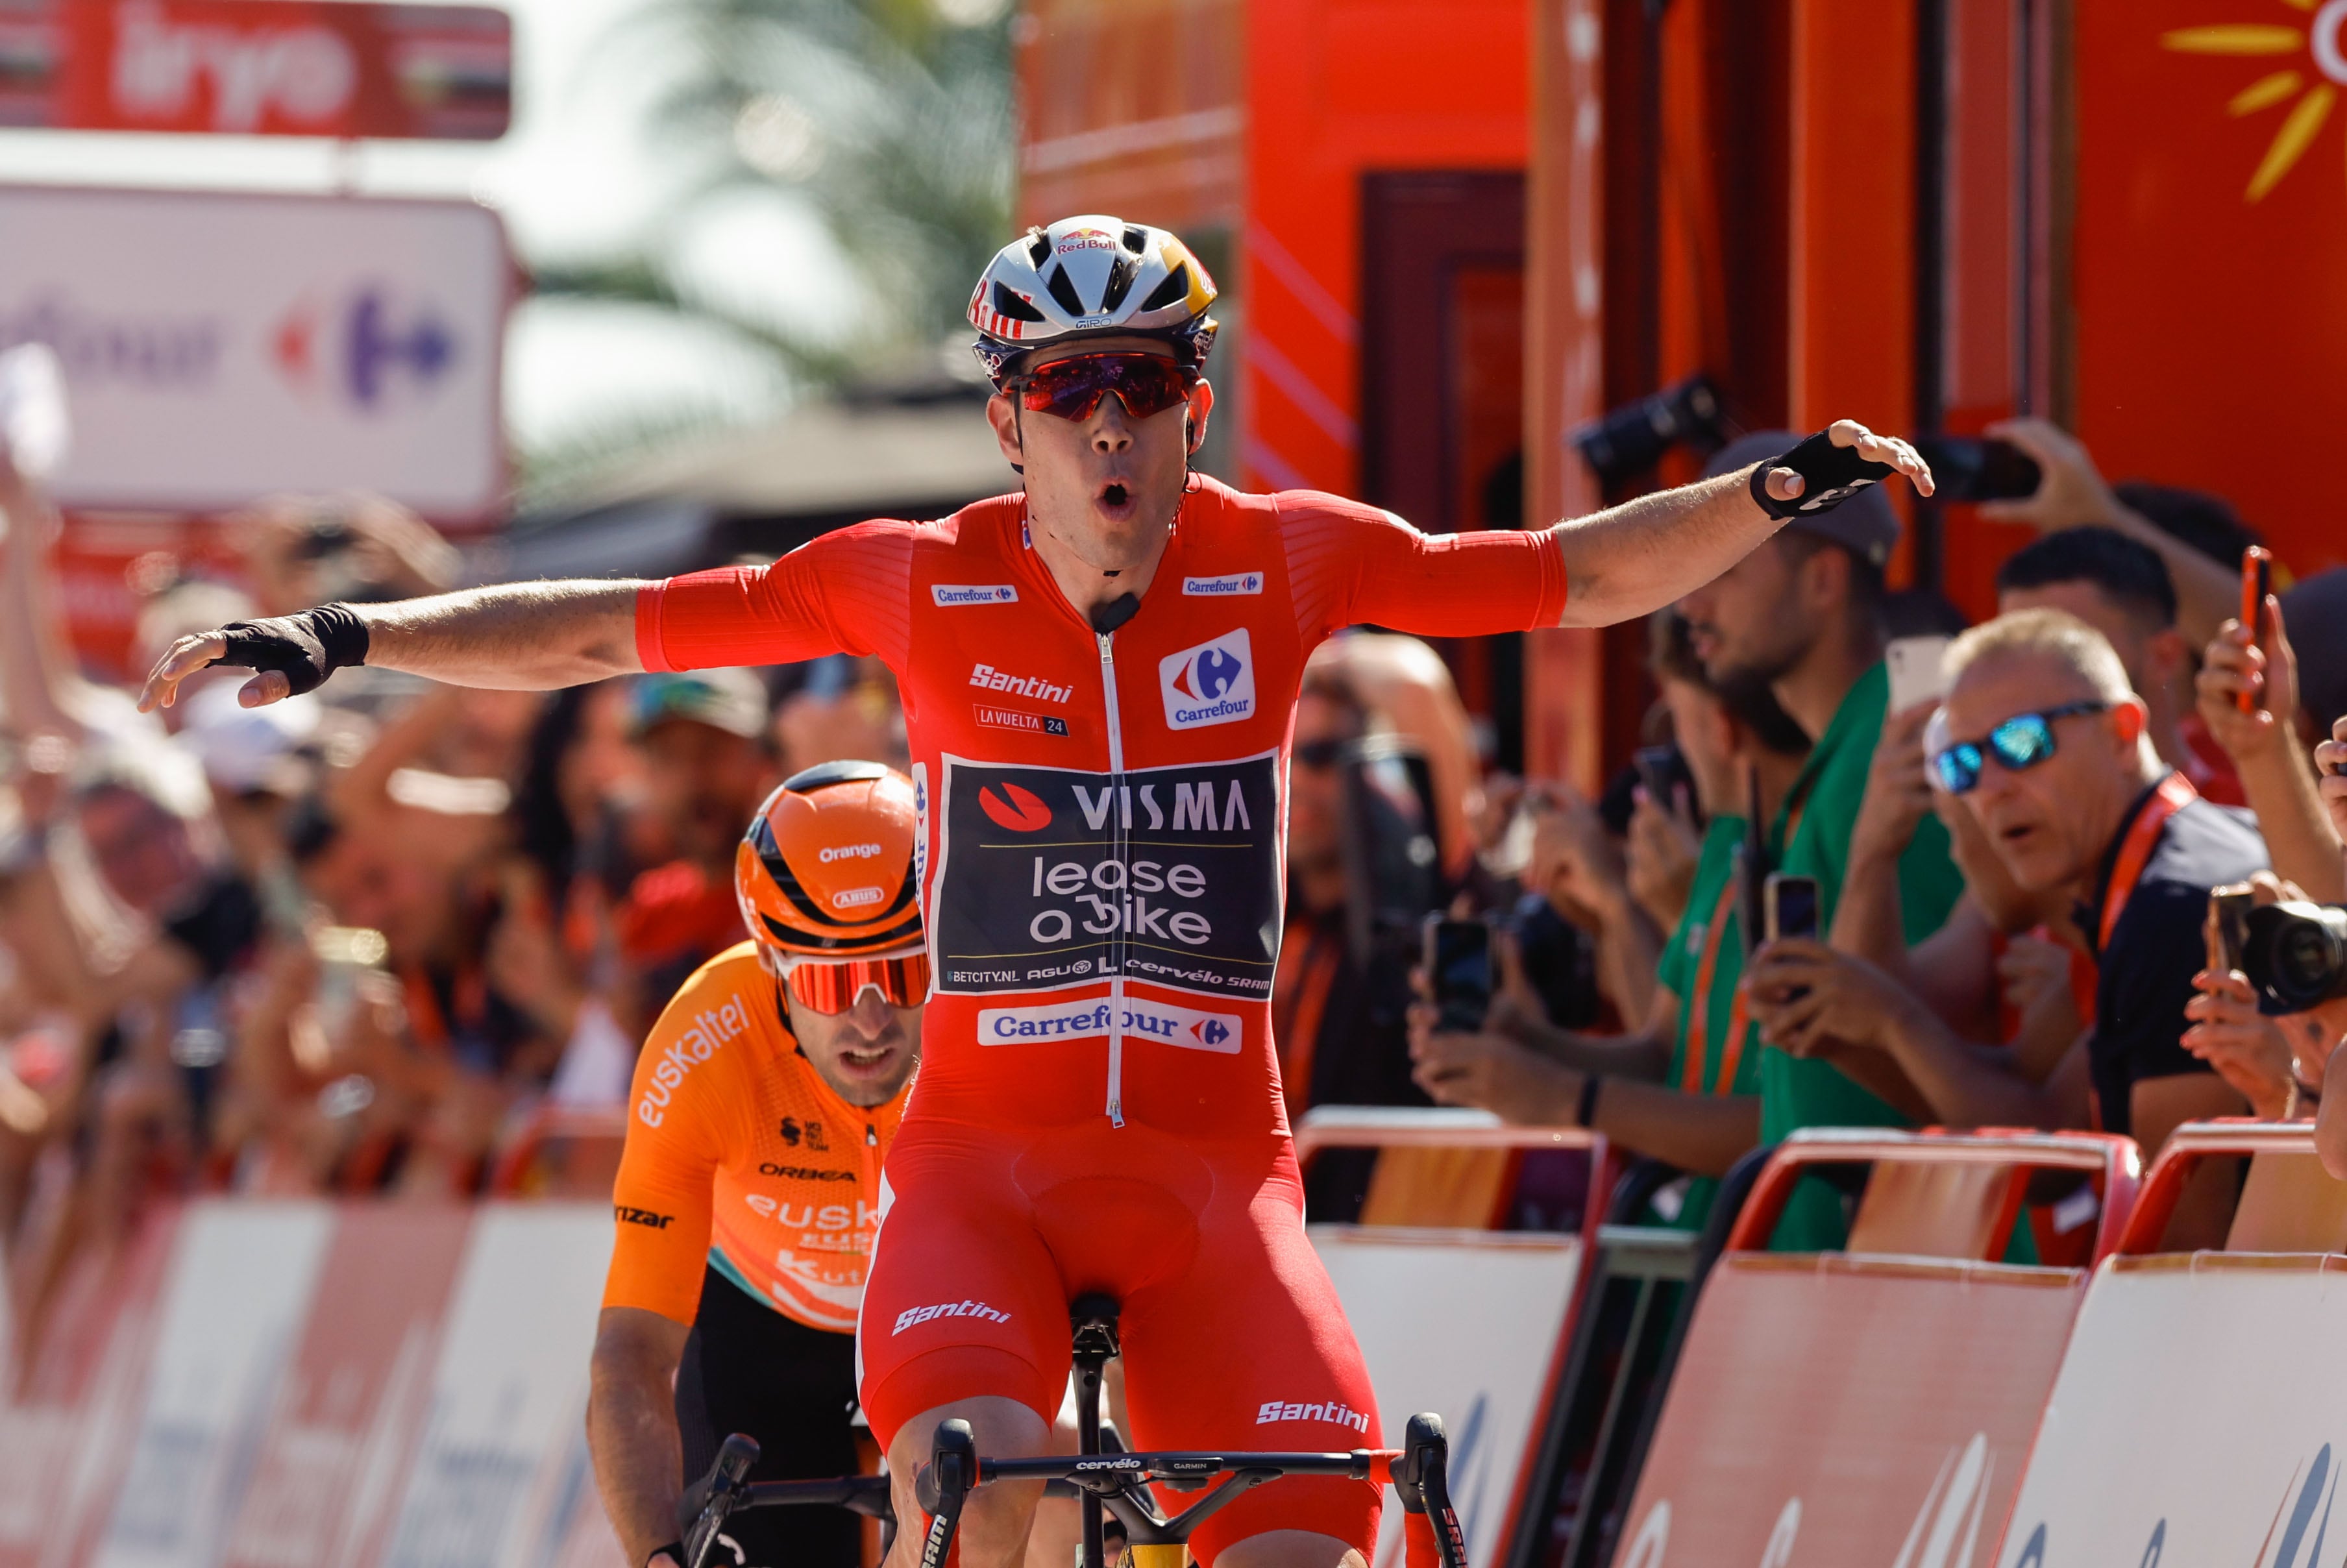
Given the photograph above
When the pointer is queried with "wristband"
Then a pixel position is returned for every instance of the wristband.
(1590, 1084)
(675, 1551)
(305, 648)
(1831, 475)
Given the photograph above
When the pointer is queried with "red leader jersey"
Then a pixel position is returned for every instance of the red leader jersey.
(1101, 832)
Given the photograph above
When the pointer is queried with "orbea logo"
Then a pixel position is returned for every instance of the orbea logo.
(1213, 683)
(946, 595)
(832, 852)
(1217, 587)
(1019, 810)
(916, 1314)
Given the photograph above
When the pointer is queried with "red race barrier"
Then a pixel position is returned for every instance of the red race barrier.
(2196, 1415)
(1845, 1409)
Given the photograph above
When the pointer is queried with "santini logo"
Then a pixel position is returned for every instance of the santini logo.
(948, 594)
(915, 1315)
(1335, 1410)
(1034, 686)
(1213, 683)
(1219, 587)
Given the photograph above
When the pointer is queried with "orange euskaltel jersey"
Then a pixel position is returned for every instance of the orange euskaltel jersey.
(740, 1158)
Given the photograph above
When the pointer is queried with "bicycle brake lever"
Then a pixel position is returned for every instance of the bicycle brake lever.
(701, 1510)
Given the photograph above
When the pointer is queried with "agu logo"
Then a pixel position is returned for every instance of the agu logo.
(1213, 683)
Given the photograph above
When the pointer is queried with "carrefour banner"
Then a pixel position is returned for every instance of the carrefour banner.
(218, 347)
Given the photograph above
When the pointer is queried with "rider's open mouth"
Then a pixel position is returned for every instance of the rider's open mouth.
(1113, 496)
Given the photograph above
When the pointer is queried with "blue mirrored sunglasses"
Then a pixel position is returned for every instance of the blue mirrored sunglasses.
(2020, 742)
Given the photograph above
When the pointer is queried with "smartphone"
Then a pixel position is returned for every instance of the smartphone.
(2257, 581)
(1658, 771)
(1788, 907)
(1459, 965)
(2228, 925)
(1969, 468)
(1918, 671)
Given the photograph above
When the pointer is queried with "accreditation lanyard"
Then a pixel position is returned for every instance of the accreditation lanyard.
(1731, 1050)
(2174, 794)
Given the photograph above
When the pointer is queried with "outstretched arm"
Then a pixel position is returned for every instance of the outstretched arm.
(1632, 560)
(517, 636)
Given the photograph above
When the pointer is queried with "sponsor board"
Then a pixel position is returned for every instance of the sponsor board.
(1849, 1412)
(218, 347)
(239, 1292)
(2199, 1417)
(1488, 1385)
(1054, 877)
(503, 1452)
(1142, 1019)
(324, 1482)
(1212, 683)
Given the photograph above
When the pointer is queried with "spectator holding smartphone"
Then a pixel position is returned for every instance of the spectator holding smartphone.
(1801, 615)
(1685, 1087)
(2258, 667)
(2045, 746)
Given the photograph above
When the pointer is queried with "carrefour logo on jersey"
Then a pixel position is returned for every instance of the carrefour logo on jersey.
(1141, 1019)
(947, 595)
(1221, 587)
(1213, 683)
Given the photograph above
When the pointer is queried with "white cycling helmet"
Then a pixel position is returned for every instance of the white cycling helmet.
(1086, 277)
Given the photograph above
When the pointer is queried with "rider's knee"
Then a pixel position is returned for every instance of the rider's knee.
(1289, 1549)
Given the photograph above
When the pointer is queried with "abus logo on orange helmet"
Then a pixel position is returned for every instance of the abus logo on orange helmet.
(857, 897)
(1019, 810)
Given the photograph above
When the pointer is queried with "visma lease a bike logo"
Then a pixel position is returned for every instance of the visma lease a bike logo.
(1055, 877)
(1213, 683)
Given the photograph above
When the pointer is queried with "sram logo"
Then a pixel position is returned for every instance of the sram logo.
(1213, 683)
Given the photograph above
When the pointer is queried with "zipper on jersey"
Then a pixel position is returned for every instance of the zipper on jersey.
(1117, 826)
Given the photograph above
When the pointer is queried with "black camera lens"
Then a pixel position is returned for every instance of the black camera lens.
(2296, 955)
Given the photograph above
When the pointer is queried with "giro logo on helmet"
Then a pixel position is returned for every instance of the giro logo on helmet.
(1019, 810)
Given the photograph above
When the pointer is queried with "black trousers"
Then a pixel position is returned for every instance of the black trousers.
(748, 1368)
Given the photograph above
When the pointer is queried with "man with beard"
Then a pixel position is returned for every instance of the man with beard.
(1801, 614)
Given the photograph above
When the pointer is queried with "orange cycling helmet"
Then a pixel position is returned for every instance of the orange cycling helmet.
(826, 871)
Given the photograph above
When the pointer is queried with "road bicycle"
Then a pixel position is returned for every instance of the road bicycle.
(1110, 1485)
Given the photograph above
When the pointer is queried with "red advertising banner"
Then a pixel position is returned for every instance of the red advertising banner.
(257, 67)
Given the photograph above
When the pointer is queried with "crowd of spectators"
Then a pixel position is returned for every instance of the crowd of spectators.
(352, 942)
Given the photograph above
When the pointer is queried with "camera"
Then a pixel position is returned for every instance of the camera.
(2296, 955)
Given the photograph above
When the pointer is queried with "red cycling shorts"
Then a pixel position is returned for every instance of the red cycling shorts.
(1233, 1335)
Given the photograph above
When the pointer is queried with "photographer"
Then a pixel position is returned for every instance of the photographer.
(2045, 745)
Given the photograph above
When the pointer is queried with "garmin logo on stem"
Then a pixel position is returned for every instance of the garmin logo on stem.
(1335, 1410)
(946, 595)
(913, 1315)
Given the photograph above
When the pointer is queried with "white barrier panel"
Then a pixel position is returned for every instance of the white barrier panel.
(1469, 1325)
(497, 1480)
(2199, 1417)
(327, 1479)
(238, 1294)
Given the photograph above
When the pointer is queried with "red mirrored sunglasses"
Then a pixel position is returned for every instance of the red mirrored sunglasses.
(1146, 384)
(830, 987)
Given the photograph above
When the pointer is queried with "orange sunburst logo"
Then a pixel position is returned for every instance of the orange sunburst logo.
(2315, 92)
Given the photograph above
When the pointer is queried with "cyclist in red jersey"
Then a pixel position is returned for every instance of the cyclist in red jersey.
(1098, 676)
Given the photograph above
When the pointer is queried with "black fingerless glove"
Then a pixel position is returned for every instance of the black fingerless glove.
(305, 648)
(1831, 475)
(674, 1549)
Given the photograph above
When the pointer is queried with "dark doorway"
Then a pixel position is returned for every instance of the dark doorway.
(1442, 376)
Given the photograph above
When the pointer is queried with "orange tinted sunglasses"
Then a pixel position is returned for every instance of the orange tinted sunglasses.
(830, 987)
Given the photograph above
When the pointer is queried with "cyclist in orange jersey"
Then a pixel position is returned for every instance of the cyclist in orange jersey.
(1098, 675)
(765, 1100)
